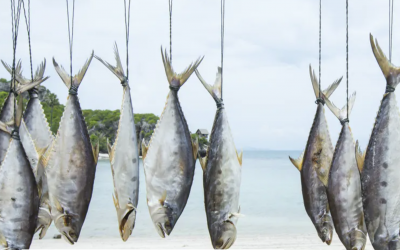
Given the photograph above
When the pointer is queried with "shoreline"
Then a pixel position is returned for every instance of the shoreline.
(107, 156)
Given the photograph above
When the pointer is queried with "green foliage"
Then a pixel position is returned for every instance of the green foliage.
(149, 118)
(202, 140)
(3, 97)
(3, 80)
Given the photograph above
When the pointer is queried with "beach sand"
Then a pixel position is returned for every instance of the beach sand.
(290, 242)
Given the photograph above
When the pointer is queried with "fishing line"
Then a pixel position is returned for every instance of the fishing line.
(347, 57)
(222, 42)
(127, 22)
(71, 34)
(170, 30)
(28, 28)
(391, 7)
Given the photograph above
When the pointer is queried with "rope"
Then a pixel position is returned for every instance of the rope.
(391, 4)
(170, 30)
(347, 56)
(71, 34)
(127, 22)
(222, 43)
(28, 29)
(320, 47)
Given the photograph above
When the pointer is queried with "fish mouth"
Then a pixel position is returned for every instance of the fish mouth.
(68, 238)
(164, 229)
(123, 230)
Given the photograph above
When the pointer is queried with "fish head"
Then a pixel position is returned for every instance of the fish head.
(223, 235)
(164, 219)
(358, 239)
(66, 225)
(127, 223)
(43, 222)
(325, 229)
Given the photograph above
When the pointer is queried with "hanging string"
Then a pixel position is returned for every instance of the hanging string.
(170, 30)
(347, 57)
(391, 4)
(28, 28)
(127, 22)
(71, 34)
(222, 42)
(320, 48)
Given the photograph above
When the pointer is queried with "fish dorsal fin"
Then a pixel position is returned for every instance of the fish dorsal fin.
(328, 91)
(177, 80)
(144, 149)
(117, 70)
(77, 79)
(214, 90)
(163, 198)
(341, 114)
(96, 151)
(239, 157)
(44, 159)
(360, 157)
(195, 146)
(390, 71)
(203, 162)
(298, 163)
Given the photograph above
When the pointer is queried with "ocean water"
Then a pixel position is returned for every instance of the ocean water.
(270, 198)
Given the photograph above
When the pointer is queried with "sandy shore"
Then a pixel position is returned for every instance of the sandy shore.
(290, 242)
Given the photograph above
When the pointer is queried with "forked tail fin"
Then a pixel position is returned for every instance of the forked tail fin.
(77, 79)
(328, 91)
(117, 70)
(391, 72)
(177, 80)
(214, 90)
(341, 114)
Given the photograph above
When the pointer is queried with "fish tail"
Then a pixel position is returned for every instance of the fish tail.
(40, 70)
(77, 79)
(177, 80)
(390, 71)
(117, 70)
(341, 114)
(214, 90)
(329, 90)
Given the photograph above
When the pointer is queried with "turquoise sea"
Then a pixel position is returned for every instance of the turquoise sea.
(270, 198)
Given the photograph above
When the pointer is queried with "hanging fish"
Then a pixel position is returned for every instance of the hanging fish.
(70, 163)
(222, 168)
(343, 182)
(124, 157)
(380, 176)
(36, 137)
(19, 202)
(169, 161)
(317, 157)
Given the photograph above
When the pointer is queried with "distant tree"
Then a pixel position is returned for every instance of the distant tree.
(51, 100)
(2, 80)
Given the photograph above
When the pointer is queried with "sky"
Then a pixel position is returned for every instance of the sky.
(269, 46)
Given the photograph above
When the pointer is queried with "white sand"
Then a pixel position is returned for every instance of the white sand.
(290, 242)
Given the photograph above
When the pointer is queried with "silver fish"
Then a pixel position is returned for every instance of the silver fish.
(316, 158)
(380, 176)
(169, 160)
(70, 163)
(19, 203)
(36, 137)
(343, 182)
(222, 168)
(124, 157)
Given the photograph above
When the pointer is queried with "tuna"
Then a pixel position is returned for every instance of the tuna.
(343, 183)
(222, 170)
(315, 159)
(70, 163)
(380, 176)
(124, 157)
(169, 160)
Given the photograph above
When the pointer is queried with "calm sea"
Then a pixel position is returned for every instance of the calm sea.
(270, 200)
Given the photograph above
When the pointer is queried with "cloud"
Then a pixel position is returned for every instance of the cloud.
(269, 46)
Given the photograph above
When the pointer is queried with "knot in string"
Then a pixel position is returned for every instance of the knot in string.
(15, 134)
(174, 88)
(344, 121)
(34, 93)
(124, 82)
(390, 89)
(73, 90)
(220, 105)
(320, 100)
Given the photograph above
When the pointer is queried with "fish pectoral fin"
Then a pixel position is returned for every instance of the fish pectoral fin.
(96, 151)
(163, 197)
(195, 146)
(298, 163)
(45, 157)
(238, 215)
(40, 187)
(203, 162)
(117, 70)
(3, 241)
(57, 205)
(323, 176)
(183, 77)
(360, 157)
(239, 157)
(115, 199)
(144, 149)
(5, 128)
